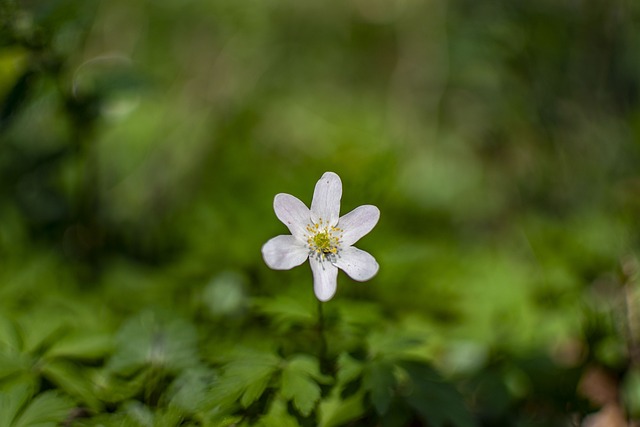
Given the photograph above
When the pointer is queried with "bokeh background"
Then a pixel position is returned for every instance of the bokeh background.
(142, 142)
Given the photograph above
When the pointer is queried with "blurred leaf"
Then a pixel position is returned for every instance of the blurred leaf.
(300, 388)
(631, 393)
(225, 294)
(278, 416)
(12, 363)
(88, 344)
(12, 62)
(379, 379)
(9, 336)
(41, 329)
(348, 368)
(299, 384)
(254, 389)
(437, 402)
(16, 99)
(360, 312)
(73, 380)
(47, 409)
(399, 414)
(112, 388)
(152, 340)
(391, 343)
(335, 411)
(244, 378)
(139, 415)
(286, 311)
(169, 417)
(11, 401)
(189, 390)
(492, 397)
(215, 419)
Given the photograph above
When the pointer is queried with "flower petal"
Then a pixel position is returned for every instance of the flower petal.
(357, 223)
(325, 279)
(326, 199)
(293, 213)
(358, 264)
(284, 252)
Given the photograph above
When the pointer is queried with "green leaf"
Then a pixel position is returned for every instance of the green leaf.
(393, 344)
(11, 401)
(189, 390)
(82, 345)
(380, 381)
(103, 420)
(17, 97)
(355, 312)
(169, 417)
(254, 389)
(152, 339)
(216, 419)
(348, 368)
(245, 378)
(309, 365)
(41, 329)
(437, 402)
(9, 337)
(335, 411)
(631, 392)
(13, 363)
(73, 380)
(299, 383)
(304, 391)
(139, 415)
(286, 311)
(47, 410)
(278, 416)
(113, 388)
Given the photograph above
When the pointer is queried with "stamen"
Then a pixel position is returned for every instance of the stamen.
(324, 241)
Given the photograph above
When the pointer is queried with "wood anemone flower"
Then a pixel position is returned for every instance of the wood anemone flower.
(322, 236)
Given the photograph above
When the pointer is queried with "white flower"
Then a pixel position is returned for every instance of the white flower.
(323, 237)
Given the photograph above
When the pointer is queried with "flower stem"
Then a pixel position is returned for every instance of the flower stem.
(322, 353)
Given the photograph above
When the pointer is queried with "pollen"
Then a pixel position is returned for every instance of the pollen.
(324, 241)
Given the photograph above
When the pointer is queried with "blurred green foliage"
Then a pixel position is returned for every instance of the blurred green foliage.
(141, 145)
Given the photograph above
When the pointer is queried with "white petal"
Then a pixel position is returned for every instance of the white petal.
(293, 213)
(359, 265)
(357, 223)
(284, 252)
(326, 199)
(325, 279)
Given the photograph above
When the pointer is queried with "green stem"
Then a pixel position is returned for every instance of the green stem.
(322, 354)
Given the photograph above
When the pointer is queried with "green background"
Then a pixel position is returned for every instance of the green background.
(141, 146)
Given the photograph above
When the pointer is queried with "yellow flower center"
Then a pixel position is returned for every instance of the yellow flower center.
(324, 240)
